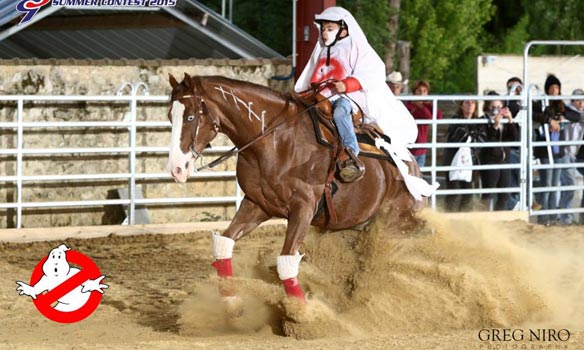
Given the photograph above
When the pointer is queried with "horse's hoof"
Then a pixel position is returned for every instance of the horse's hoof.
(233, 306)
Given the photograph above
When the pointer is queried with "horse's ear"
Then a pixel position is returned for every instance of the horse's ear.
(188, 80)
(172, 80)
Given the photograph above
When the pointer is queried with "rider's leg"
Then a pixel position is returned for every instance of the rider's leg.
(342, 117)
(351, 170)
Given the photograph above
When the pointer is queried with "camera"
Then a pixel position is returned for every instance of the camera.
(494, 112)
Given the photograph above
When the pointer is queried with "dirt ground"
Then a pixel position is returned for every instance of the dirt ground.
(434, 287)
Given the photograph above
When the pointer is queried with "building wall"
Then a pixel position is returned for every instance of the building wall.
(74, 77)
(494, 71)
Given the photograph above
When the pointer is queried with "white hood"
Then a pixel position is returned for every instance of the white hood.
(376, 99)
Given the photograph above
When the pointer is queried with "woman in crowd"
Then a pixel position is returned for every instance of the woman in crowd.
(550, 121)
(497, 131)
(421, 110)
(460, 133)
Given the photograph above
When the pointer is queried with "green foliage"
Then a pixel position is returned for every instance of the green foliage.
(373, 17)
(516, 37)
(268, 21)
(210, 217)
(556, 20)
(445, 37)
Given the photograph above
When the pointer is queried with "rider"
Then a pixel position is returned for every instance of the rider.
(343, 55)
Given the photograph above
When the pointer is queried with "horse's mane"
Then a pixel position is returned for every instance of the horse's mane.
(261, 90)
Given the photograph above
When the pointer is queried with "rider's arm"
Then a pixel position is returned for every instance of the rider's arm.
(352, 84)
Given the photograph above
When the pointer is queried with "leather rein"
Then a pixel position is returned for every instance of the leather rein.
(202, 111)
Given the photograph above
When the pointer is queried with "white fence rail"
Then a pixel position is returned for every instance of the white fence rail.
(526, 189)
(131, 151)
(527, 165)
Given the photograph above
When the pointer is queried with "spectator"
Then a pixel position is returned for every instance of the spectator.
(514, 88)
(552, 115)
(396, 83)
(467, 109)
(421, 110)
(497, 131)
(579, 105)
(572, 132)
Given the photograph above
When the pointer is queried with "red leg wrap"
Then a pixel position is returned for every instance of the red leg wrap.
(224, 271)
(223, 267)
(292, 288)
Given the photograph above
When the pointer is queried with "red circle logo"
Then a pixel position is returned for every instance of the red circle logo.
(44, 302)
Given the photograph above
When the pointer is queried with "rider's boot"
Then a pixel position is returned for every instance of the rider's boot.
(352, 169)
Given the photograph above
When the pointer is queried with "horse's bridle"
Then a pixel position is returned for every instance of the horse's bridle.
(201, 111)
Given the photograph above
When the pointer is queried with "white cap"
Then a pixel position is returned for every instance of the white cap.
(396, 78)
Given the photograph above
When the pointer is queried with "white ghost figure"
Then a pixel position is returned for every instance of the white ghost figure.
(56, 271)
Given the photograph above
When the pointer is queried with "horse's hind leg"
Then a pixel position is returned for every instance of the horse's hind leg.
(248, 217)
(288, 263)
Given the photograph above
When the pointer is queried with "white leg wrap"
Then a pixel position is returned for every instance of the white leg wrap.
(222, 246)
(288, 265)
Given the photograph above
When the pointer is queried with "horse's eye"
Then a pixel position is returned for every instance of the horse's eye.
(190, 118)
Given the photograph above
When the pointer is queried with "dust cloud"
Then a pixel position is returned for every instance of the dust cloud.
(445, 275)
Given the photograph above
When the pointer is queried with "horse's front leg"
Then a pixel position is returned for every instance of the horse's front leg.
(248, 217)
(288, 263)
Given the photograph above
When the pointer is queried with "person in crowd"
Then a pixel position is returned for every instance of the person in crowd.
(460, 133)
(514, 88)
(550, 120)
(396, 82)
(422, 110)
(578, 105)
(497, 131)
(573, 131)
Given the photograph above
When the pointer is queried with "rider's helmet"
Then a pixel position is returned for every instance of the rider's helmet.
(334, 16)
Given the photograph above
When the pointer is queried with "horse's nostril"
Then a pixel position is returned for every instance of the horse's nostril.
(186, 165)
(177, 170)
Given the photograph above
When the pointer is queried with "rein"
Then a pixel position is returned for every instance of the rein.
(234, 151)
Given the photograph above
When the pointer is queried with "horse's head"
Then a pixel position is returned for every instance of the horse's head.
(193, 128)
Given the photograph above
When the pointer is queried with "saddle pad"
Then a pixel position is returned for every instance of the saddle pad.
(366, 144)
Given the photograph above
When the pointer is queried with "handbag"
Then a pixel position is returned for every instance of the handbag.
(462, 158)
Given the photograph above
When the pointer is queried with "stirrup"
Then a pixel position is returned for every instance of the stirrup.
(353, 169)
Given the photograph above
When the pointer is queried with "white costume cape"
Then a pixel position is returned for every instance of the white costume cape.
(375, 98)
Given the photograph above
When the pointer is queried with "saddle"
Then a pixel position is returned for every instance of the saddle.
(325, 131)
(326, 134)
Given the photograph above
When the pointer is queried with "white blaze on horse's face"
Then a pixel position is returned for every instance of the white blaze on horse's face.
(180, 164)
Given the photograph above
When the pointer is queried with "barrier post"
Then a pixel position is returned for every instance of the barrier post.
(132, 189)
(19, 148)
(434, 140)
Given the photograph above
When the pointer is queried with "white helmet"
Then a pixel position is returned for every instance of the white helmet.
(335, 15)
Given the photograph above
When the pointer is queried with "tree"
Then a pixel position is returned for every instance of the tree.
(506, 32)
(556, 20)
(373, 18)
(391, 42)
(268, 21)
(445, 39)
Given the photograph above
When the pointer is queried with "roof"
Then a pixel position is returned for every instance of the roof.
(189, 30)
(8, 11)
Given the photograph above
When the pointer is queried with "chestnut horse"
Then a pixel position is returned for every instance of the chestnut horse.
(282, 174)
